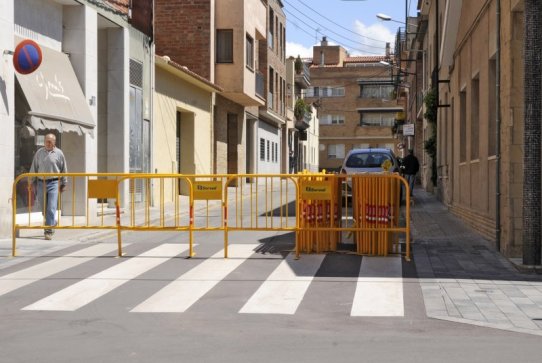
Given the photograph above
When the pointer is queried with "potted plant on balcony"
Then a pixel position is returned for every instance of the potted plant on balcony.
(301, 108)
(298, 65)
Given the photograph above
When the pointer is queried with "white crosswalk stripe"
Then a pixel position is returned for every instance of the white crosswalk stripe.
(378, 287)
(180, 294)
(90, 289)
(43, 270)
(284, 289)
(379, 290)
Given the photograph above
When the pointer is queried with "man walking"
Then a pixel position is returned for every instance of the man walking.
(49, 159)
(410, 169)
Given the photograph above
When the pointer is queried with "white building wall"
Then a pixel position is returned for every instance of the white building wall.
(312, 144)
(7, 112)
(71, 28)
(39, 20)
(272, 154)
(118, 113)
(80, 40)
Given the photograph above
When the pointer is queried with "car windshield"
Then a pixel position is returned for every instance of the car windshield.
(367, 160)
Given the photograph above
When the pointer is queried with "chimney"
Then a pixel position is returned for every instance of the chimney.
(323, 43)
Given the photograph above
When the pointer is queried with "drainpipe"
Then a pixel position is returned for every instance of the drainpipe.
(498, 132)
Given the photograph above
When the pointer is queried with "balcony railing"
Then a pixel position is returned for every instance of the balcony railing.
(303, 78)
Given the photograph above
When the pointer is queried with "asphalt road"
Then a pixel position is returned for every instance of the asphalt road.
(99, 309)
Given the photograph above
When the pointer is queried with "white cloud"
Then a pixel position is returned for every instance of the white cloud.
(295, 49)
(371, 41)
(371, 46)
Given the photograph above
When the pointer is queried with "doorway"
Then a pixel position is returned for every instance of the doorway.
(232, 143)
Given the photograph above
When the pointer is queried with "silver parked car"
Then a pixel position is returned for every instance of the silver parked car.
(366, 161)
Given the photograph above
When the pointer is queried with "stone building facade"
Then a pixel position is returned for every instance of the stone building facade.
(356, 101)
(461, 45)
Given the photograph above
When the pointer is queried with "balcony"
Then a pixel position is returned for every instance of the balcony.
(304, 122)
(303, 78)
(239, 79)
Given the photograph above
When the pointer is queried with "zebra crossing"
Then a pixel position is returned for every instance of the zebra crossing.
(378, 284)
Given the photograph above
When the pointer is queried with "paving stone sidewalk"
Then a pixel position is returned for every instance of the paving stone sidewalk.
(464, 279)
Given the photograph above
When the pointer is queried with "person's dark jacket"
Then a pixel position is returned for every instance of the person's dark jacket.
(410, 165)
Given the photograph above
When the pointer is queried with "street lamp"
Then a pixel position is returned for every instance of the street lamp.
(385, 17)
(388, 64)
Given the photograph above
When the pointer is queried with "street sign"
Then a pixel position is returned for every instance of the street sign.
(408, 130)
(27, 56)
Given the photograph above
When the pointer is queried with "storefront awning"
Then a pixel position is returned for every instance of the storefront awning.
(55, 97)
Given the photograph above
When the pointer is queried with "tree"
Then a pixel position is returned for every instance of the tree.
(532, 146)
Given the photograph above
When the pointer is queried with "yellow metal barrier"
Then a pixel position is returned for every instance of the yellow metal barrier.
(173, 213)
(316, 207)
(266, 203)
(72, 212)
(319, 205)
(376, 211)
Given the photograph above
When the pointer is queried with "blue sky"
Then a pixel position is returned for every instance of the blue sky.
(352, 24)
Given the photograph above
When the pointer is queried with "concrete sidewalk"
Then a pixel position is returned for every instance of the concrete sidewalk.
(464, 279)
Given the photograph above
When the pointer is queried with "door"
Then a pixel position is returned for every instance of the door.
(232, 143)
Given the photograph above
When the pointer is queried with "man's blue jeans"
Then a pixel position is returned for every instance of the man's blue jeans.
(51, 199)
(410, 178)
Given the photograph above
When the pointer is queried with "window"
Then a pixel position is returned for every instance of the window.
(335, 151)
(475, 119)
(280, 39)
(337, 92)
(262, 149)
(377, 91)
(332, 120)
(250, 52)
(462, 126)
(492, 112)
(311, 91)
(271, 28)
(271, 86)
(377, 118)
(325, 92)
(268, 150)
(224, 46)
